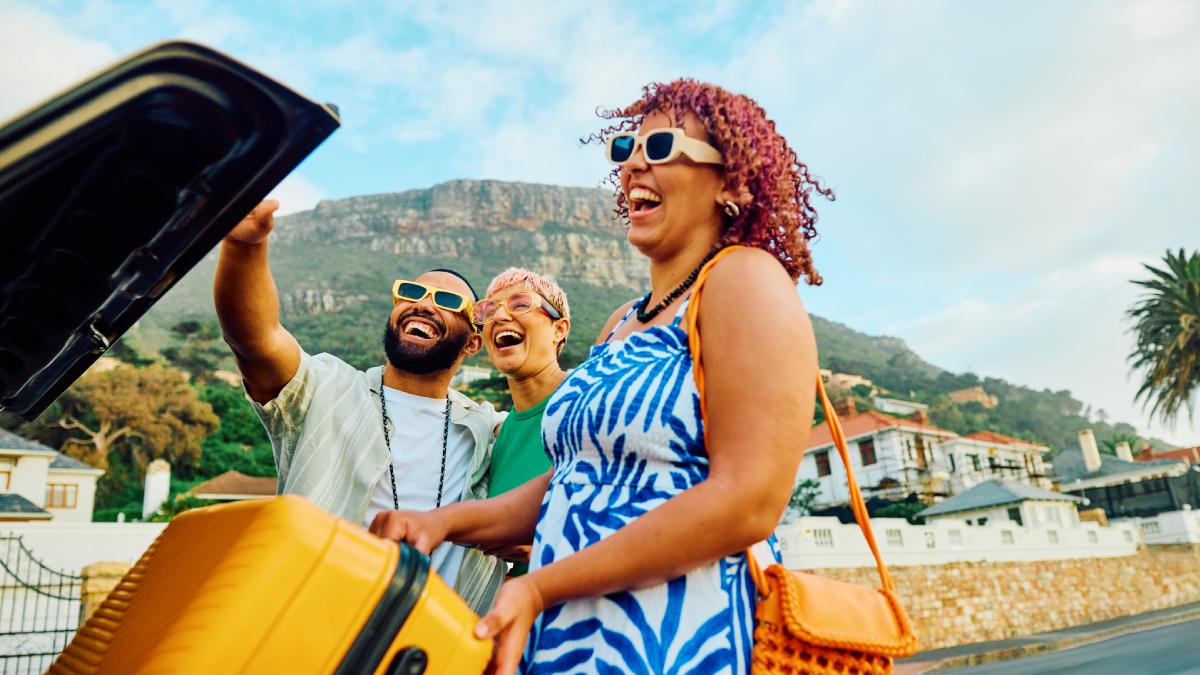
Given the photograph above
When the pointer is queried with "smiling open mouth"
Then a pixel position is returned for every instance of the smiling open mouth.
(643, 199)
(420, 328)
(508, 338)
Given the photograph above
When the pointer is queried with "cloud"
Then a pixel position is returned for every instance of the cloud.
(41, 57)
(296, 193)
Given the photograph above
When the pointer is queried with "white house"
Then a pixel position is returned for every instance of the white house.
(1001, 501)
(891, 457)
(895, 405)
(1171, 527)
(39, 483)
(986, 455)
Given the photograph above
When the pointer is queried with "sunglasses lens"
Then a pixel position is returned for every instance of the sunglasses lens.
(519, 303)
(447, 300)
(483, 311)
(410, 292)
(621, 148)
(658, 146)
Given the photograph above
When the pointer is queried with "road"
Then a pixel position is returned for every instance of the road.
(1170, 650)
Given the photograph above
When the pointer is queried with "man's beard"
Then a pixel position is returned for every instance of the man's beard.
(417, 360)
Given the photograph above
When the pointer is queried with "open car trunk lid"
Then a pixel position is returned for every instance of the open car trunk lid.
(113, 190)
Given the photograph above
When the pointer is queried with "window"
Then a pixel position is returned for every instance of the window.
(1052, 536)
(1053, 515)
(1015, 516)
(1093, 538)
(929, 540)
(5, 477)
(953, 468)
(1151, 528)
(822, 464)
(955, 537)
(1033, 519)
(1006, 537)
(824, 538)
(61, 496)
(974, 462)
(866, 449)
(981, 522)
(895, 538)
(1128, 537)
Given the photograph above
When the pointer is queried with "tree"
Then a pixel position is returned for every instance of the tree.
(803, 495)
(1167, 331)
(146, 412)
(1110, 444)
(198, 349)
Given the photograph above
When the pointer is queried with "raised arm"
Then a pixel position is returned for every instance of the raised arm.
(248, 307)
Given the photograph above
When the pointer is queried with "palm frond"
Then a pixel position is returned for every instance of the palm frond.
(1167, 337)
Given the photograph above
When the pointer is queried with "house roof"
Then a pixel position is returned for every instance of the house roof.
(63, 462)
(864, 423)
(11, 441)
(1069, 467)
(235, 483)
(1001, 439)
(1180, 454)
(994, 493)
(13, 504)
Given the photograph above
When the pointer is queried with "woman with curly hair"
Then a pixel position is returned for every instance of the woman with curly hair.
(638, 563)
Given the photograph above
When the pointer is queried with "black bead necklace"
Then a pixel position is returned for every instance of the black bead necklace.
(648, 316)
(388, 441)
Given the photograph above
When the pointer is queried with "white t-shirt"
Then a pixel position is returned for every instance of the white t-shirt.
(416, 435)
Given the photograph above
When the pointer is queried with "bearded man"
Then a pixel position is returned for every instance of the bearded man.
(357, 443)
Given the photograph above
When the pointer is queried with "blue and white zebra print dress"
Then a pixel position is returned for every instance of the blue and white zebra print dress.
(625, 434)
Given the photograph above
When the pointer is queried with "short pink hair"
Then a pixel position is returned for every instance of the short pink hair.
(544, 286)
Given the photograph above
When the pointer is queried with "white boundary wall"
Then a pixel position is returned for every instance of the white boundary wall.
(1172, 527)
(815, 542)
(69, 547)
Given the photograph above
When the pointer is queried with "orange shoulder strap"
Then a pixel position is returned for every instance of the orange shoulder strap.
(839, 439)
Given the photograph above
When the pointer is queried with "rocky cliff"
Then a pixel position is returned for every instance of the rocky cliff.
(568, 232)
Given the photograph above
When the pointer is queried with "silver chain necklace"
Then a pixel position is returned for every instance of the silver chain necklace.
(388, 440)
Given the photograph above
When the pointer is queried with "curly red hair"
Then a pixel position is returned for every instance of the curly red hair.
(780, 219)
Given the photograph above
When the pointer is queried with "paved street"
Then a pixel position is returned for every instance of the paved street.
(1170, 650)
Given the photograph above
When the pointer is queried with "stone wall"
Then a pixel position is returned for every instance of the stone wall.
(976, 602)
(98, 581)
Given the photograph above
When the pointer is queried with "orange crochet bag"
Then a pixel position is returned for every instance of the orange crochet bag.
(811, 624)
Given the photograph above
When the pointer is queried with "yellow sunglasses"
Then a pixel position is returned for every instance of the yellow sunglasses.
(412, 291)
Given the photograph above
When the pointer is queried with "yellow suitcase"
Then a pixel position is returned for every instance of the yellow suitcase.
(277, 586)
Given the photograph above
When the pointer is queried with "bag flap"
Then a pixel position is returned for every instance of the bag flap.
(839, 615)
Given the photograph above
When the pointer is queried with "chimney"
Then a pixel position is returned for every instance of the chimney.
(1091, 454)
(920, 417)
(158, 486)
(1123, 452)
(846, 407)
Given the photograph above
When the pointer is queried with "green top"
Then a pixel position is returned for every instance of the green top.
(518, 456)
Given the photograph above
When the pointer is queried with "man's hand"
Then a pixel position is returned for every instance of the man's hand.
(422, 531)
(255, 227)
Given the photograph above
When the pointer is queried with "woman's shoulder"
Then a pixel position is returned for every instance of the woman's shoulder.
(748, 265)
(611, 324)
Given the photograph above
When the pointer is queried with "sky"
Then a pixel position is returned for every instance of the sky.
(1003, 169)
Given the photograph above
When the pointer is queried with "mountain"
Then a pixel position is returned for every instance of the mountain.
(334, 266)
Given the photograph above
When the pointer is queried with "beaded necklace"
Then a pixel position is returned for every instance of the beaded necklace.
(647, 316)
(387, 439)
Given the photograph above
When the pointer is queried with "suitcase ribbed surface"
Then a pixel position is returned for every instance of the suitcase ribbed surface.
(262, 586)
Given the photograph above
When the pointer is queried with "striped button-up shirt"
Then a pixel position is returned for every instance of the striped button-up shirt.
(326, 432)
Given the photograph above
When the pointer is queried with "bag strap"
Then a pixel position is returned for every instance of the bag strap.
(857, 505)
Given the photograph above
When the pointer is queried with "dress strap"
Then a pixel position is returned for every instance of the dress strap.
(625, 318)
(682, 310)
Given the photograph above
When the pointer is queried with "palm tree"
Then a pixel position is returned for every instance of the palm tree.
(1167, 327)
